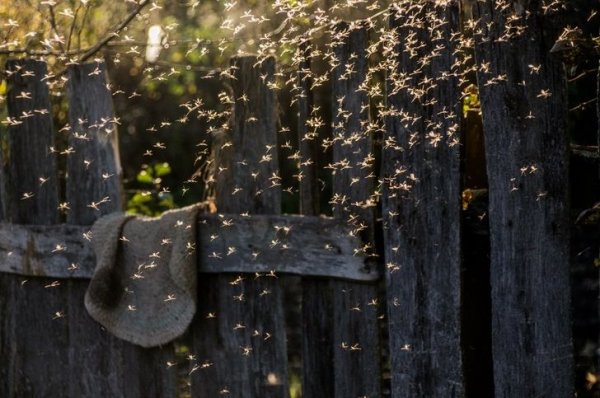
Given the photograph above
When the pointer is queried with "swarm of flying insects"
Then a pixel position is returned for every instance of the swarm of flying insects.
(363, 115)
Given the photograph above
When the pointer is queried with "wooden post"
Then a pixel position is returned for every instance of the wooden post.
(317, 322)
(421, 203)
(598, 175)
(93, 169)
(356, 348)
(102, 365)
(33, 332)
(524, 105)
(308, 141)
(240, 331)
(29, 175)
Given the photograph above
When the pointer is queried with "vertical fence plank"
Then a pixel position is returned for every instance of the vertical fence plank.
(317, 328)
(421, 203)
(525, 122)
(598, 176)
(32, 335)
(28, 156)
(308, 140)
(240, 330)
(355, 332)
(93, 169)
(102, 365)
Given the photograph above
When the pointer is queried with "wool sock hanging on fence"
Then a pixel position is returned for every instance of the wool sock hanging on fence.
(144, 285)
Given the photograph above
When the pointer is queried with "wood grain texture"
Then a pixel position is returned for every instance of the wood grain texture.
(317, 338)
(313, 246)
(58, 251)
(94, 168)
(356, 349)
(246, 342)
(27, 156)
(32, 335)
(308, 246)
(247, 183)
(308, 136)
(526, 147)
(317, 314)
(421, 203)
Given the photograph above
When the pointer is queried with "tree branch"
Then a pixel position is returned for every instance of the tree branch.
(95, 48)
(54, 28)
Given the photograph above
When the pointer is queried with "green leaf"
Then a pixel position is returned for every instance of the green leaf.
(145, 177)
(140, 198)
(162, 169)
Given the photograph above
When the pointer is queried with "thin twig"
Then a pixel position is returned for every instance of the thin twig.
(54, 28)
(196, 68)
(115, 32)
(582, 74)
(583, 105)
(73, 26)
(585, 151)
(85, 15)
(123, 43)
(38, 53)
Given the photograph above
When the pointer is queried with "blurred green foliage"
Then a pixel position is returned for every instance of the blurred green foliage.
(151, 199)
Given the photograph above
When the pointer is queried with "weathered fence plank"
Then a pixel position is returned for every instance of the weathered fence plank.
(421, 203)
(311, 246)
(317, 329)
(101, 364)
(315, 246)
(93, 186)
(308, 140)
(33, 332)
(245, 341)
(525, 122)
(317, 339)
(356, 348)
(28, 178)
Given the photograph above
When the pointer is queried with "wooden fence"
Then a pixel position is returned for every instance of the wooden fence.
(237, 346)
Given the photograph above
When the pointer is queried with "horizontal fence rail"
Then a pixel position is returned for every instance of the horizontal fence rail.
(312, 246)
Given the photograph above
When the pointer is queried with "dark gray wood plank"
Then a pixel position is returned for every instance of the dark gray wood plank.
(312, 246)
(356, 349)
(33, 334)
(598, 154)
(421, 203)
(58, 251)
(101, 364)
(28, 157)
(308, 139)
(317, 314)
(317, 338)
(93, 186)
(247, 184)
(246, 342)
(525, 127)
(33, 330)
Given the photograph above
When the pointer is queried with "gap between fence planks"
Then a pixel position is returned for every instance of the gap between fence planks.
(312, 246)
